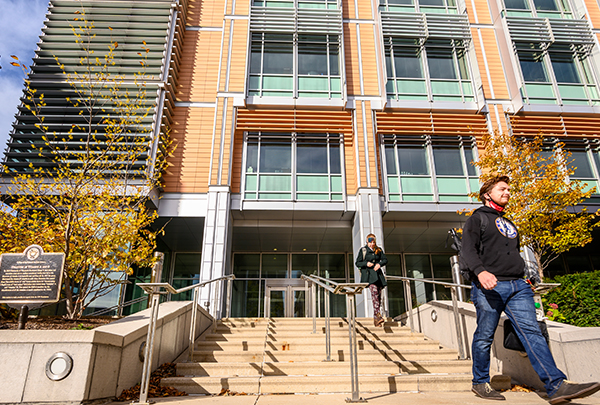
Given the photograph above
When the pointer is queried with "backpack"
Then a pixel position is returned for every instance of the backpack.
(465, 272)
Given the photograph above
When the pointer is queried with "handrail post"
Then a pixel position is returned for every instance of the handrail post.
(459, 337)
(148, 351)
(327, 326)
(456, 277)
(350, 310)
(408, 304)
(192, 338)
(313, 289)
(228, 304)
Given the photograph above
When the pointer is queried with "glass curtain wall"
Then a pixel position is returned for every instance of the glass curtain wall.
(427, 168)
(252, 269)
(293, 167)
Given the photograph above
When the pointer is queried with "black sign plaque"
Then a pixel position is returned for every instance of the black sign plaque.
(31, 277)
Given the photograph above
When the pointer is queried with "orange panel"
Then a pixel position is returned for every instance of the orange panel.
(216, 147)
(369, 60)
(532, 125)
(205, 13)
(351, 52)
(296, 121)
(229, 117)
(236, 167)
(242, 7)
(237, 68)
(225, 44)
(198, 75)
(431, 124)
(582, 126)
(192, 135)
(494, 63)
(365, 10)
(482, 10)
(594, 10)
(348, 9)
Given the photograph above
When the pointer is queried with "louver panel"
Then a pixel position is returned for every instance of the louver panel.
(295, 121)
(550, 30)
(422, 26)
(272, 19)
(307, 21)
(431, 124)
(320, 21)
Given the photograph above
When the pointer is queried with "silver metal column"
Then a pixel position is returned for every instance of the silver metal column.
(351, 311)
(147, 368)
(327, 326)
(456, 277)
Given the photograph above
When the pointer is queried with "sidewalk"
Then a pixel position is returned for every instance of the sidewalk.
(419, 398)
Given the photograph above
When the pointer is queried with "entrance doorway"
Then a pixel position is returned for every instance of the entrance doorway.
(286, 299)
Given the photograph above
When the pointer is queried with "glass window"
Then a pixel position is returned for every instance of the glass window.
(246, 265)
(332, 266)
(413, 160)
(274, 266)
(304, 264)
(312, 158)
(533, 66)
(548, 5)
(275, 157)
(516, 4)
(565, 68)
(407, 62)
(447, 161)
(441, 63)
(581, 163)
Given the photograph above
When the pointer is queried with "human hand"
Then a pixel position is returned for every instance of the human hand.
(370, 264)
(377, 267)
(487, 280)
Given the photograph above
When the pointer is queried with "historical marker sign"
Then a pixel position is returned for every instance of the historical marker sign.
(31, 277)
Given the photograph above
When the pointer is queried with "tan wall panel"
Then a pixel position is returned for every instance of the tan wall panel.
(227, 144)
(205, 13)
(198, 73)
(594, 10)
(225, 44)
(237, 68)
(482, 10)
(236, 166)
(369, 60)
(351, 55)
(365, 10)
(494, 63)
(351, 168)
(189, 165)
(242, 7)
(348, 9)
(217, 141)
(362, 163)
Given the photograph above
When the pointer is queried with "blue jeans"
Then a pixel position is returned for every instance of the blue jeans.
(515, 298)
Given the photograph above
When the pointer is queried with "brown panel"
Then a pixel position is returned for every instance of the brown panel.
(296, 121)
(494, 63)
(582, 126)
(205, 13)
(225, 43)
(237, 68)
(348, 9)
(431, 124)
(532, 125)
(594, 10)
(229, 116)
(236, 166)
(351, 52)
(482, 10)
(192, 135)
(369, 60)
(216, 147)
(198, 72)
(360, 144)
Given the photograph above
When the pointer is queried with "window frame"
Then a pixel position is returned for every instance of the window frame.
(565, 10)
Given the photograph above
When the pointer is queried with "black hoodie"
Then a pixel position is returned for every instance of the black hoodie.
(500, 254)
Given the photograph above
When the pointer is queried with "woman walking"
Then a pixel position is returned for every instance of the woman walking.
(370, 259)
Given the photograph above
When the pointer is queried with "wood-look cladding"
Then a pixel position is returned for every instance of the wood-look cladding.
(352, 60)
(236, 62)
(494, 63)
(369, 60)
(189, 166)
(594, 11)
(481, 10)
(199, 71)
(205, 13)
(560, 126)
(431, 124)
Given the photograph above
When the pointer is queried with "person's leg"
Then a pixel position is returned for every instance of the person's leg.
(520, 309)
(375, 296)
(488, 305)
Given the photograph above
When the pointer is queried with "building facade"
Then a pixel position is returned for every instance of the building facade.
(301, 126)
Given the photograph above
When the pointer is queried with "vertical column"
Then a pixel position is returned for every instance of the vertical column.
(216, 247)
(367, 219)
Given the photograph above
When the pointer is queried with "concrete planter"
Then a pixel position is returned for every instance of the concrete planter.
(576, 350)
(105, 360)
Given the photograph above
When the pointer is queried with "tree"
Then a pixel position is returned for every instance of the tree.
(88, 191)
(543, 194)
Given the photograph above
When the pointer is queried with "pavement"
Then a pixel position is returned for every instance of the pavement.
(410, 398)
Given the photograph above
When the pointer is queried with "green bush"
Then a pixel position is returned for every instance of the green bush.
(577, 298)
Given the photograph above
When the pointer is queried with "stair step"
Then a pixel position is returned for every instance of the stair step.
(317, 384)
(320, 368)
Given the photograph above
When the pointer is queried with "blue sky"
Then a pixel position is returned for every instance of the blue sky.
(21, 22)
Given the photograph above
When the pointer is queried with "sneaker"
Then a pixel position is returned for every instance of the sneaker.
(486, 391)
(569, 390)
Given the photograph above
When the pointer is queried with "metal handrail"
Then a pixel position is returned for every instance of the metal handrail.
(453, 288)
(155, 290)
(349, 290)
(118, 306)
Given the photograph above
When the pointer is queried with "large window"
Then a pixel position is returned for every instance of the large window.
(298, 66)
(429, 168)
(293, 167)
(435, 71)
(422, 6)
(557, 75)
(538, 8)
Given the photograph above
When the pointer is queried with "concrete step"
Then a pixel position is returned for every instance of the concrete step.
(318, 384)
(308, 337)
(293, 330)
(318, 354)
(303, 346)
(321, 368)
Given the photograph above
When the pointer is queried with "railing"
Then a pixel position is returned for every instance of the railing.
(155, 290)
(349, 290)
(118, 306)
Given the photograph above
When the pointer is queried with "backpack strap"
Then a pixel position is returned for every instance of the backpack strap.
(364, 252)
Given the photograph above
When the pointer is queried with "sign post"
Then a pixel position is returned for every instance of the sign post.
(30, 279)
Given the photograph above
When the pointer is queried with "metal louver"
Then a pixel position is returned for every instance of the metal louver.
(424, 26)
(306, 21)
(550, 30)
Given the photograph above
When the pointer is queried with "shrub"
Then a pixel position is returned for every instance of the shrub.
(577, 298)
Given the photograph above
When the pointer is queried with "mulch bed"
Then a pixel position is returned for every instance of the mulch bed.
(154, 388)
(57, 322)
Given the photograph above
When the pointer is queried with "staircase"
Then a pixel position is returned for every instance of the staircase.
(282, 355)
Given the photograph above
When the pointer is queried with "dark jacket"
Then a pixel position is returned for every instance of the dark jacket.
(367, 274)
(497, 250)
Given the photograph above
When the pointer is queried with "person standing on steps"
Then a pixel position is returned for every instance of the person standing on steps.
(492, 254)
(370, 259)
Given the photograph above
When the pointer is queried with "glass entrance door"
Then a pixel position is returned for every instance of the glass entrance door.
(285, 298)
